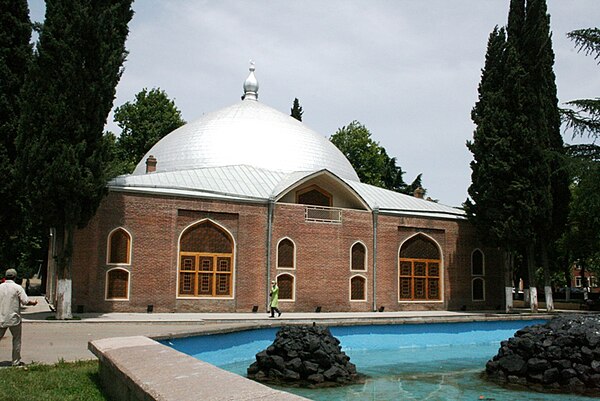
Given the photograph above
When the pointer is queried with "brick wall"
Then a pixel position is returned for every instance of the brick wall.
(322, 274)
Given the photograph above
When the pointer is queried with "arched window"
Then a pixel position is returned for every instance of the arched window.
(478, 285)
(119, 247)
(358, 286)
(419, 277)
(314, 195)
(205, 262)
(117, 284)
(285, 282)
(286, 254)
(358, 255)
(477, 263)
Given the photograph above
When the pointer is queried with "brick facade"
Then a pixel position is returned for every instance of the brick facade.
(322, 270)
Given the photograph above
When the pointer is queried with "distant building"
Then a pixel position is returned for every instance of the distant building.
(245, 195)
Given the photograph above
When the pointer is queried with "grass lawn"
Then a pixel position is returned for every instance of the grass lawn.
(60, 382)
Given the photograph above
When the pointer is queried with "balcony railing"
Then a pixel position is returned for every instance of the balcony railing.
(322, 214)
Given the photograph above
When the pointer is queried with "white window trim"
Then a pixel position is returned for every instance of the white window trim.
(482, 263)
(442, 275)
(350, 289)
(233, 264)
(293, 287)
(366, 256)
(130, 254)
(277, 254)
(106, 298)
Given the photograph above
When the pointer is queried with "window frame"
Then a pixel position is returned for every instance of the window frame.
(293, 299)
(231, 255)
(109, 247)
(293, 256)
(482, 280)
(365, 281)
(366, 267)
(482, 263)
(317, 188)
(106, 284)
(440, 277)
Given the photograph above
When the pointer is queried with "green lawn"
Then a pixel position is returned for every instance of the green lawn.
(60, 382)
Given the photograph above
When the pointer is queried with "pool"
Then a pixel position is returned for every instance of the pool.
(440, 361)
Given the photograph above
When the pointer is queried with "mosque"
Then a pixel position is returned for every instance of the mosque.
(223, 205)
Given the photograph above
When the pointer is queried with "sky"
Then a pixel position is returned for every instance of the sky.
(407, 70)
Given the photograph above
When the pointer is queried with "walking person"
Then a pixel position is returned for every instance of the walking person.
(274, 305)
(12, 296)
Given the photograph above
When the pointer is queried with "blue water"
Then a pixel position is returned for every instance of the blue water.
(441, 361)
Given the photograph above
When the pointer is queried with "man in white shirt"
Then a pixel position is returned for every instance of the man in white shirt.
(12, 296)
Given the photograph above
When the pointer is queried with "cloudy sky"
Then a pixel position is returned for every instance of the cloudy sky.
(407, 70)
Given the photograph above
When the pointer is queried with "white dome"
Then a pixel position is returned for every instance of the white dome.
(247, 133)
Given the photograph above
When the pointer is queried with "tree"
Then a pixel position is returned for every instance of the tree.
(296, 110)
(15, 55)
(68, 94)
(520, 183)
(370, 160)
(143, 123)
(585, 118)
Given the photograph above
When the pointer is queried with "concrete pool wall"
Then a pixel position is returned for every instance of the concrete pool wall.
(140, 368)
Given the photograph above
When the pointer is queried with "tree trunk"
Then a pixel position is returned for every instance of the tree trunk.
(64, 250)
(508, 281)
(531, 273)
(547, 279)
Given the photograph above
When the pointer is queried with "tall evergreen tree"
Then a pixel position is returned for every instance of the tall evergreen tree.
(69, 93)
(534, 190)
(15, 56)
(296, 110)
(143, 123)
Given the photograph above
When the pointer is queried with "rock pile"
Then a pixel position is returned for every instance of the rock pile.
(562, 355)
(304, 356)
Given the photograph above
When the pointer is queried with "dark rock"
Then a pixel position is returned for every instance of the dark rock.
(551, 376)
(513, 364)
(537, 365)
(562, 355)
(304, 356)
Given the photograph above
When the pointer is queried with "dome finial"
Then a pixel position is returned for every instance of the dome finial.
(251, 84)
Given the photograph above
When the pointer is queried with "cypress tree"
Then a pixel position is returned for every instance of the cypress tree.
(296, 110)
(15, 56)
(69, 93)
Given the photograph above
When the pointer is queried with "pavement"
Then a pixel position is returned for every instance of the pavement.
(49, 341)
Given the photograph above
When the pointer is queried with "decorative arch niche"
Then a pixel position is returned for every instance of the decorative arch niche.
(420, 270)
(205, 262)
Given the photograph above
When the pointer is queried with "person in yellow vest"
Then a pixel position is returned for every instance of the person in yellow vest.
(274, 304)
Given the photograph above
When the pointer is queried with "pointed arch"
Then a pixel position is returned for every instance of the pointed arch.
(420, 270)
(206, 261)
(477, 262)
(118, 247)
(358, 256)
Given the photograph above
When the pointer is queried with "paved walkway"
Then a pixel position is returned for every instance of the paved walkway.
(48, 341)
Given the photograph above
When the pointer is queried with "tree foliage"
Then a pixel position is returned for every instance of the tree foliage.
(370, 160)
(519, 186)
(19, 247)
(68, 94)
(584, 117)
(296, 110)
(143, 123)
